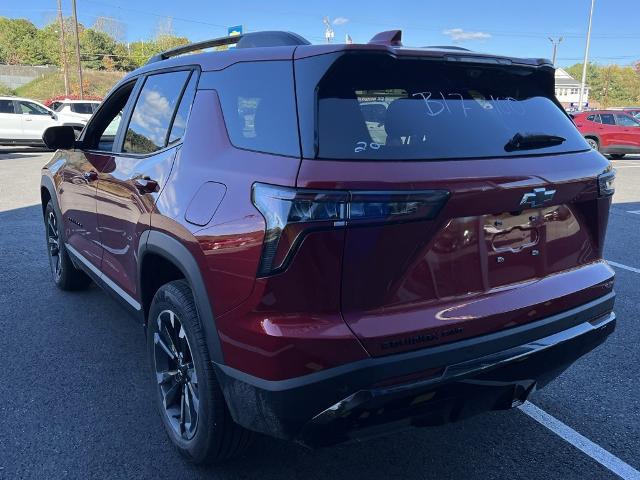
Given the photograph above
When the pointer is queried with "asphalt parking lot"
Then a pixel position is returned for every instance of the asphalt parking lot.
(76, 397)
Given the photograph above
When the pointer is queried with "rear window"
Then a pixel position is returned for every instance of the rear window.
(258, 104)
(376, 107)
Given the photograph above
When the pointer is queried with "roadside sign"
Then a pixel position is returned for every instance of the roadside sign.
(235, 30)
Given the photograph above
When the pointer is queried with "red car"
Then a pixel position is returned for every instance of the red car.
(317, 269)
(612, 132)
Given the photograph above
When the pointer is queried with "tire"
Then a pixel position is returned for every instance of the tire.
(617, 156)
(593, 143)
(185, 379)
(65, 275)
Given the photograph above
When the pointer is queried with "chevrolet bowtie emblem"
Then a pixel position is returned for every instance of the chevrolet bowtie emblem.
(537, 198)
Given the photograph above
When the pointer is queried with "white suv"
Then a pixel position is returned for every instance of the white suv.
(23, 121)
(75, 110)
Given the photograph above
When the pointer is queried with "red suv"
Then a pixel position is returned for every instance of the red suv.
(326, 242)
(612, 132)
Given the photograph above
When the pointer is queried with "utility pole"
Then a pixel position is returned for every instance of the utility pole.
(605, 100)
(555, 44)
(75, 24)
(63, 50)
(586, 58)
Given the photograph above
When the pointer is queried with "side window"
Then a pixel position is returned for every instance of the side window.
(258, 104)
(6, 106)
(182, 114)
(32, 108)
(607, 119)
(151, 118)
(83, 108)
(101, 130)
(626, 121)
(55, 106)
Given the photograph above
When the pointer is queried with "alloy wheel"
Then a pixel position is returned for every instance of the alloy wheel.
(53, 245)
(592, 143)
(176, 375)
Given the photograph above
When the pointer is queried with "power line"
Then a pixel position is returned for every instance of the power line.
(157, 15)
(497, 33)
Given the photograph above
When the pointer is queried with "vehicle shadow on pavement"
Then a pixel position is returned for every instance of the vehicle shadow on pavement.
(11, 153)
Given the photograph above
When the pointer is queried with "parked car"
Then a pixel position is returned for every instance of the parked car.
(75, 110)
(612, 132)
(23, 121)
(299, 279)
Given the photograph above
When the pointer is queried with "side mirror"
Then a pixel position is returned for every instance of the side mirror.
(59, 137)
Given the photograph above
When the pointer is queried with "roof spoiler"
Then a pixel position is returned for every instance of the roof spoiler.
(390, 38)
(248, 40)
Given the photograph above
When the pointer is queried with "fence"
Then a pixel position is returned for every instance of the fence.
(14, 76)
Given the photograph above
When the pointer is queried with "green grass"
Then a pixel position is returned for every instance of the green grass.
(96, 83)
(5, 90)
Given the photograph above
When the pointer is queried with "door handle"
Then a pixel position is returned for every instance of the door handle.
(145, 185)
(90, 176)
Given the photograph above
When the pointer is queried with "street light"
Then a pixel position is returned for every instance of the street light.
(586, 58)
(555, 44)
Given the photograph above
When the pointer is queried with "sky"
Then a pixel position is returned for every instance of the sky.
(506, 27)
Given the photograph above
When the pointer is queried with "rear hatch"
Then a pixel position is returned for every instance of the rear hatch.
(474, 203)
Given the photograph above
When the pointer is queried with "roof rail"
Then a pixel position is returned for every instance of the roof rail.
(248, 40)
(448, 47)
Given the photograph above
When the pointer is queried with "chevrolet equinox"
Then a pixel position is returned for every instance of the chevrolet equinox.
(329, 242)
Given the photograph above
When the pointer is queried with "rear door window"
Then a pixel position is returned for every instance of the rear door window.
(607, 119)
(153, 112)
(82, 108)
(372, 106)
(182, 114)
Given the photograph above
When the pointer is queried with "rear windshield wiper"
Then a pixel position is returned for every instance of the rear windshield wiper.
(532, 141)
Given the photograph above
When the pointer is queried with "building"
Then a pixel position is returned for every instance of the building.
(568, 90)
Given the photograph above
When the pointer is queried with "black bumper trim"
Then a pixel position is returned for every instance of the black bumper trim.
(284, 408)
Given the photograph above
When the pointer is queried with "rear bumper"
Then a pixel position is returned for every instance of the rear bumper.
(425, 387)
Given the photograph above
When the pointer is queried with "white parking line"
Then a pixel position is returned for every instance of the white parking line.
(624, 267)
(596, 452)
(637, 212)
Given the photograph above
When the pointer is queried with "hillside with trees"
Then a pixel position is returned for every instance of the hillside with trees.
(22, 43)
(611, 85)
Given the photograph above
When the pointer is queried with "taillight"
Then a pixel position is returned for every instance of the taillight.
(290, 213)
(606, 183)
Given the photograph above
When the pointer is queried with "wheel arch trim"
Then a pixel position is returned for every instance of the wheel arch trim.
(47, 183)
(161, 244)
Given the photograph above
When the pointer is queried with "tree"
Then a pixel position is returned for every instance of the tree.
(610, 85)
(95, 47)
(19, 43)
(140, 52)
